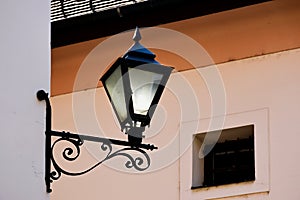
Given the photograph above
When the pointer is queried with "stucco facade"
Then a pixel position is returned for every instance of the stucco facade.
(232, 68)
(269, 102)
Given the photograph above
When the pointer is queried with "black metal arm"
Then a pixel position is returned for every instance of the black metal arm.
(71, 153)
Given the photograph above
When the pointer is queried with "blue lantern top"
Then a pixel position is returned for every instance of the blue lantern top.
(137, 52)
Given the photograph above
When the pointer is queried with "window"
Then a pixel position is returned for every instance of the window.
(230, 159)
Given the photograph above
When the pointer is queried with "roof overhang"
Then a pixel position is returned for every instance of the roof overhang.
(143, 14)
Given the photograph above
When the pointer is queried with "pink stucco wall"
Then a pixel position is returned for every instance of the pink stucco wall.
(261, 90)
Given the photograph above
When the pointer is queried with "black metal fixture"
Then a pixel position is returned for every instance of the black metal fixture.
(134, 85)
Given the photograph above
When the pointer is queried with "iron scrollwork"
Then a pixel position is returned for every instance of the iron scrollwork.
(53, 170)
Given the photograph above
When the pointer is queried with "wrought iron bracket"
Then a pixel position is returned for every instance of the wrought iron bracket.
(53, 170)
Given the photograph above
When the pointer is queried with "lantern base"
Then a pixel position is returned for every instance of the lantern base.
(135, 135)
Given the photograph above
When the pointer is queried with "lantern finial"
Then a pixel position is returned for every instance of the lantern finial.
(137, 35)
(138, 52)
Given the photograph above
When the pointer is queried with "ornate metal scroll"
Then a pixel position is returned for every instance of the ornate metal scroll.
(53, 170)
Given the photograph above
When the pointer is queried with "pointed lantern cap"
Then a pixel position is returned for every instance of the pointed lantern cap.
(138, 52)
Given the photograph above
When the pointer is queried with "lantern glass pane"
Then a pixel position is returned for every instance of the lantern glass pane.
(115, 87)
(144, 85)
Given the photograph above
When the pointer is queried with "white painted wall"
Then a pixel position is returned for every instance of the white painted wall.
(25, 68)
(262, 90)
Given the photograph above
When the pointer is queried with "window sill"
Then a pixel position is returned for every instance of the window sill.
(220, 186)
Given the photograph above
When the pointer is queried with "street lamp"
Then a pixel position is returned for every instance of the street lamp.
(134, 85)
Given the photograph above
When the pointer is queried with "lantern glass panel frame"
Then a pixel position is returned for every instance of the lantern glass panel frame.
(129, 70)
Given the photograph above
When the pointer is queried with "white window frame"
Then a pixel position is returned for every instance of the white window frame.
(199, 150)
(262, 158)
